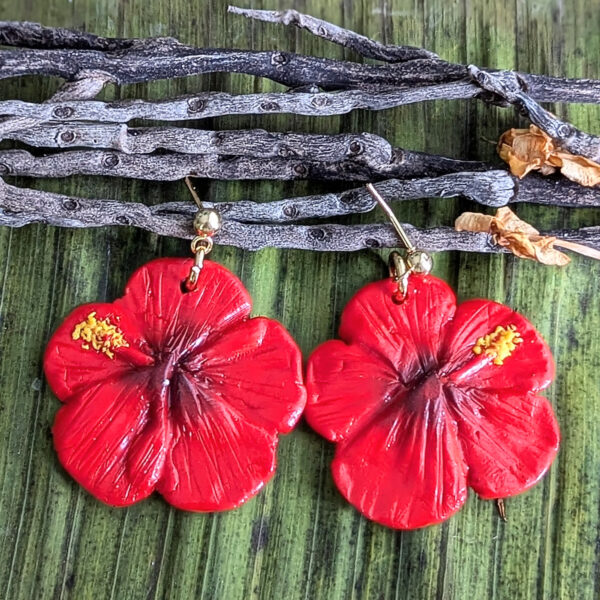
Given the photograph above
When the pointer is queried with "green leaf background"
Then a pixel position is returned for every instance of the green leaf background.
(298, 539)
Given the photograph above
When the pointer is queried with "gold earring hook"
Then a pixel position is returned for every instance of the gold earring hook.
(392, 217)
(192, 189)
(206, 223)
(401, 267)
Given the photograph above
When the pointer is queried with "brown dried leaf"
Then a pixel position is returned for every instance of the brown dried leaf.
(470, 221)
(513, 233)
(506, 220)
(532, 149)
(579, 169)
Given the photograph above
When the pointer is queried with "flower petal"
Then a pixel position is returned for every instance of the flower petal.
(256, 368)
(113, 437)
(529, 368)
(178, 321)
(509, 441)
(405, 468)
(218, 459)
(408, 334)
(71, 368)
(345, 385)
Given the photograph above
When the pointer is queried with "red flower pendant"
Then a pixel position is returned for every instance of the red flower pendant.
(425, 398)
(173, 391)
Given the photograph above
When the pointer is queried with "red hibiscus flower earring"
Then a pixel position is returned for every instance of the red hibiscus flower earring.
(425, 399)
(173, 387)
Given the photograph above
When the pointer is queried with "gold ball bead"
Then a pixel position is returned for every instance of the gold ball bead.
(420, 262)
(207, 222)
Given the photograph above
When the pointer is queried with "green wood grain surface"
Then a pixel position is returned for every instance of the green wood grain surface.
(298, 539)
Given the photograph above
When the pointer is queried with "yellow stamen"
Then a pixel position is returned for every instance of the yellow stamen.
(499, 344)
(101, 334)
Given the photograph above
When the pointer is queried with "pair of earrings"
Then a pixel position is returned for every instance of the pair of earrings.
(173, 388)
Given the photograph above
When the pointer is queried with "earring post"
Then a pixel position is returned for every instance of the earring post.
(392, 217)
(193, 191)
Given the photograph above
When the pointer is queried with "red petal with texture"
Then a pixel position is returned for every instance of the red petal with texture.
(190, 404)
(529, 368)
(345, 385)
(256, 368)
(408, 335)
(218, 459)
(405, 468)
(112, 438)
(175, 320)
(405, 456)
(70, 368)
(509, 441)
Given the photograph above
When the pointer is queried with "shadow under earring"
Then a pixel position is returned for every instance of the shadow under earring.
(425, 398)
(173, 387)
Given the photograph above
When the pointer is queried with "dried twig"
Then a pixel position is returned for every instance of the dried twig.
(92, 61)
(555, 191)
(342, 153)
(338, 35)
(477, 182)
(215, 104)
(365, 147)
(541, 88)
(165, 58)
(26, 34)
(172, 166)
(490, 188)
(65, 53)
(564, 135)
(84, 86)
(19, 207)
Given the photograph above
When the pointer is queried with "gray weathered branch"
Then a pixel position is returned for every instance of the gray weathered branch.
(26, 34)
(338, 35)
(564, 134)
(555, 191)
(19, 207)
(367, 47)
(492, 188)
(367, 153)
(65, 53)
(172, 166)
(165, 58)
(216, 104)
(489, 188)
(364, 147)
(85, 86)
(91, 61)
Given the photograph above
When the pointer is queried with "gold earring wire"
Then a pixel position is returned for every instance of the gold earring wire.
(206, 223)
(415, 261)
(392, 217)
(193, 192)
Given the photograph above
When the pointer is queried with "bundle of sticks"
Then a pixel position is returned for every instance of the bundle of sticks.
(85, 136)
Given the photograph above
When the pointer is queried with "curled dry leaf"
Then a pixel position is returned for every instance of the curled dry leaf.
(513, 233)
(532, 149)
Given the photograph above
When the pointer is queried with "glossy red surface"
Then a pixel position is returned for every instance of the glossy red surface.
(192, 407)
(418, 416)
